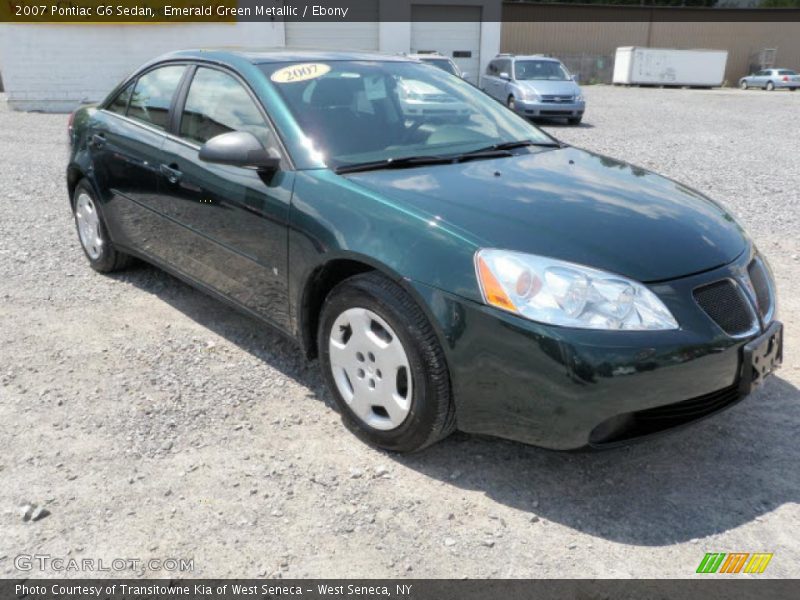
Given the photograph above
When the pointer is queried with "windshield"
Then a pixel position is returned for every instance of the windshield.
(539, 69)
(443, 63)
(358, 111)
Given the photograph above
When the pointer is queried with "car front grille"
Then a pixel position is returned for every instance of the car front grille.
(556, 113)
(725, 302)
(641, 423)
(688, 410)
(760, 281)
(556, 99)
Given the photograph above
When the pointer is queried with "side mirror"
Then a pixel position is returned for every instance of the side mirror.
(464, 75)
(239, 149)
(504, 75)
(574, 77)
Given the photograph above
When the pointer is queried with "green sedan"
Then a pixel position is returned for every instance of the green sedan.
(450, 269)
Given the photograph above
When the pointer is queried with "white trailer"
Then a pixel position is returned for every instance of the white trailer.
(635, 65)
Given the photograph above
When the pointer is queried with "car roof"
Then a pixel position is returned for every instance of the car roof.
(277, 55)
(535, 57)
(425, 55)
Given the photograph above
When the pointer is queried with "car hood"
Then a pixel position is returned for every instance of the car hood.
(573, 205)
(551, 88)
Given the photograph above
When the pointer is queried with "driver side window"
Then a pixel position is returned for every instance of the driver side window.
(217, 103)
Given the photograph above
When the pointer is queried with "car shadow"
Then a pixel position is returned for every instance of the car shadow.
(702, 480)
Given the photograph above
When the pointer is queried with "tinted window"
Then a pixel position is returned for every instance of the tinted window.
(443, 63)
(786, 72)
(492, 68)
(540, 69)
(217, 103)
(153, 95)
(504, 66)
(119, 104)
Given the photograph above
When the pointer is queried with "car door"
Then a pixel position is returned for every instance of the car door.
(229, 223)
(760, 80)
(504, 89)
(490, 79)
(125, 144)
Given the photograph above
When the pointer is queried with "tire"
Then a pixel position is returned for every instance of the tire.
(92, 233)
(770, 86)
(511, 103)
(574, 120)
(743, 85)
(356, 313)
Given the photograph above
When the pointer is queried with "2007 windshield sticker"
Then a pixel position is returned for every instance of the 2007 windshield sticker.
(302, 72)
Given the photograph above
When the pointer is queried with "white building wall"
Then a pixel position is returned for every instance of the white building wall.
(55, 67)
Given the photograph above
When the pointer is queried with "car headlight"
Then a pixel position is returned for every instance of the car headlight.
(567, 294)
(579, 98)
(530, 95)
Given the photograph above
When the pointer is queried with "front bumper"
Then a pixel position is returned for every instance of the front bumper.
(550, 109)
(565, 388)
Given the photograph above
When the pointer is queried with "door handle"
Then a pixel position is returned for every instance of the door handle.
(172, 173)
(98, 140)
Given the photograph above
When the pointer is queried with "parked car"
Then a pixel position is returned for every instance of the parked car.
(476, 274)
(420, 99)
(534, 86)
(770, 79)
(445, 63)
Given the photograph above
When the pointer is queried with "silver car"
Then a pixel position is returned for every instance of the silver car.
(534, 86)
(770, 79)
(445, 63)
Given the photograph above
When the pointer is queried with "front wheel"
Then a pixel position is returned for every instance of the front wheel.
(743, 85)
(574, 120)
(384, 365)
(770, 86)
(511, 103)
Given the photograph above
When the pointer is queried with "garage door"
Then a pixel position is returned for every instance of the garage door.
(361, 35)
(460, 40)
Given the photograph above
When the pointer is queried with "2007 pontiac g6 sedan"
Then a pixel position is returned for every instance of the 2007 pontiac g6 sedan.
(450, 269)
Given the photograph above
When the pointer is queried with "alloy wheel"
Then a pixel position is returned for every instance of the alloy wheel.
(88, 226)
(370, 368)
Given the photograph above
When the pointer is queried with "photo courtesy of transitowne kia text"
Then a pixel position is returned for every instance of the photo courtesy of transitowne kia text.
(227, 10)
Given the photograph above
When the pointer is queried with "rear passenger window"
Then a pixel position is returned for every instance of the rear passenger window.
(216, 104)
(119, 104)
(153, 94)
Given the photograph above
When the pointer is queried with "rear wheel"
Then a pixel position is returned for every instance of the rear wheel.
(92, 232)
(384, 366)
(770, 86)
(743, 84)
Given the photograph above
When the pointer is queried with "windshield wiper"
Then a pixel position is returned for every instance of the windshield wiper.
(494, 151)
(393, 163)
(522, 144)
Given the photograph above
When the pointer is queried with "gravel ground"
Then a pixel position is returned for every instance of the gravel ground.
(152, 422)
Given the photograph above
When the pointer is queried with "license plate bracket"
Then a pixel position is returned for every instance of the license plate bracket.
(761, 357)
